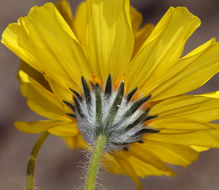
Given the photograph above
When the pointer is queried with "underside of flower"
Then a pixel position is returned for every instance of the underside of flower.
(60, 50)
(111, 113)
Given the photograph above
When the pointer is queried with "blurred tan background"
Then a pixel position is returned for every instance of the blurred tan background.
(60, 168)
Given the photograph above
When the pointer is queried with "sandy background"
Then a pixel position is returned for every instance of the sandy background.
(58, 168)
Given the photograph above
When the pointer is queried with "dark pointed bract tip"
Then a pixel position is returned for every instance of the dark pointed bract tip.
(71, 115)
(150, 117)
(108, 89)
(140, 141)
(70, 105)
(121, 87)
(146, 98)
(97, 86)
(129, 96)
(76, 93)
(86, 90)
(93, 85)
(147, 130)
(120, 93)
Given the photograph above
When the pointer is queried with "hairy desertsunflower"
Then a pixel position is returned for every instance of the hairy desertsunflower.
(99, 73)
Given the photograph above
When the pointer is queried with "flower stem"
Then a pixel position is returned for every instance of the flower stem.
(32, 161)
(94, 162)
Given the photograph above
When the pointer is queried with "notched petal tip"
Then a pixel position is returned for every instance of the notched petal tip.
(184, 13)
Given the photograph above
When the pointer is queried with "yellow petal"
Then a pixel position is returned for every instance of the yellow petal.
(40, 100)
(190, 72)
(38, 126)
(132, 166)
(157, 165)
(198, 108)
(180, 125)
(208, 139)
(162, 48)
(171, 153)
(65, 129)
(64, 8)
(109, 37)
(144, 169)
(75, 142)
(48, 45)
(80, 21)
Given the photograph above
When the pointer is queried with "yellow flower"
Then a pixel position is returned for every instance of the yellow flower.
(99, 56)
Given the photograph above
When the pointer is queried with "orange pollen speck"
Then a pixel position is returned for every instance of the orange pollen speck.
(96, 80)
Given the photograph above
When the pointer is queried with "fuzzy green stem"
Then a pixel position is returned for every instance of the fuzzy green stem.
(94, 162)
(32, 161)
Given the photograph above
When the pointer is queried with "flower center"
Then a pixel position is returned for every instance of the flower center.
(112, 114)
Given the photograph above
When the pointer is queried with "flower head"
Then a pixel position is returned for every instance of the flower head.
(98, 72)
